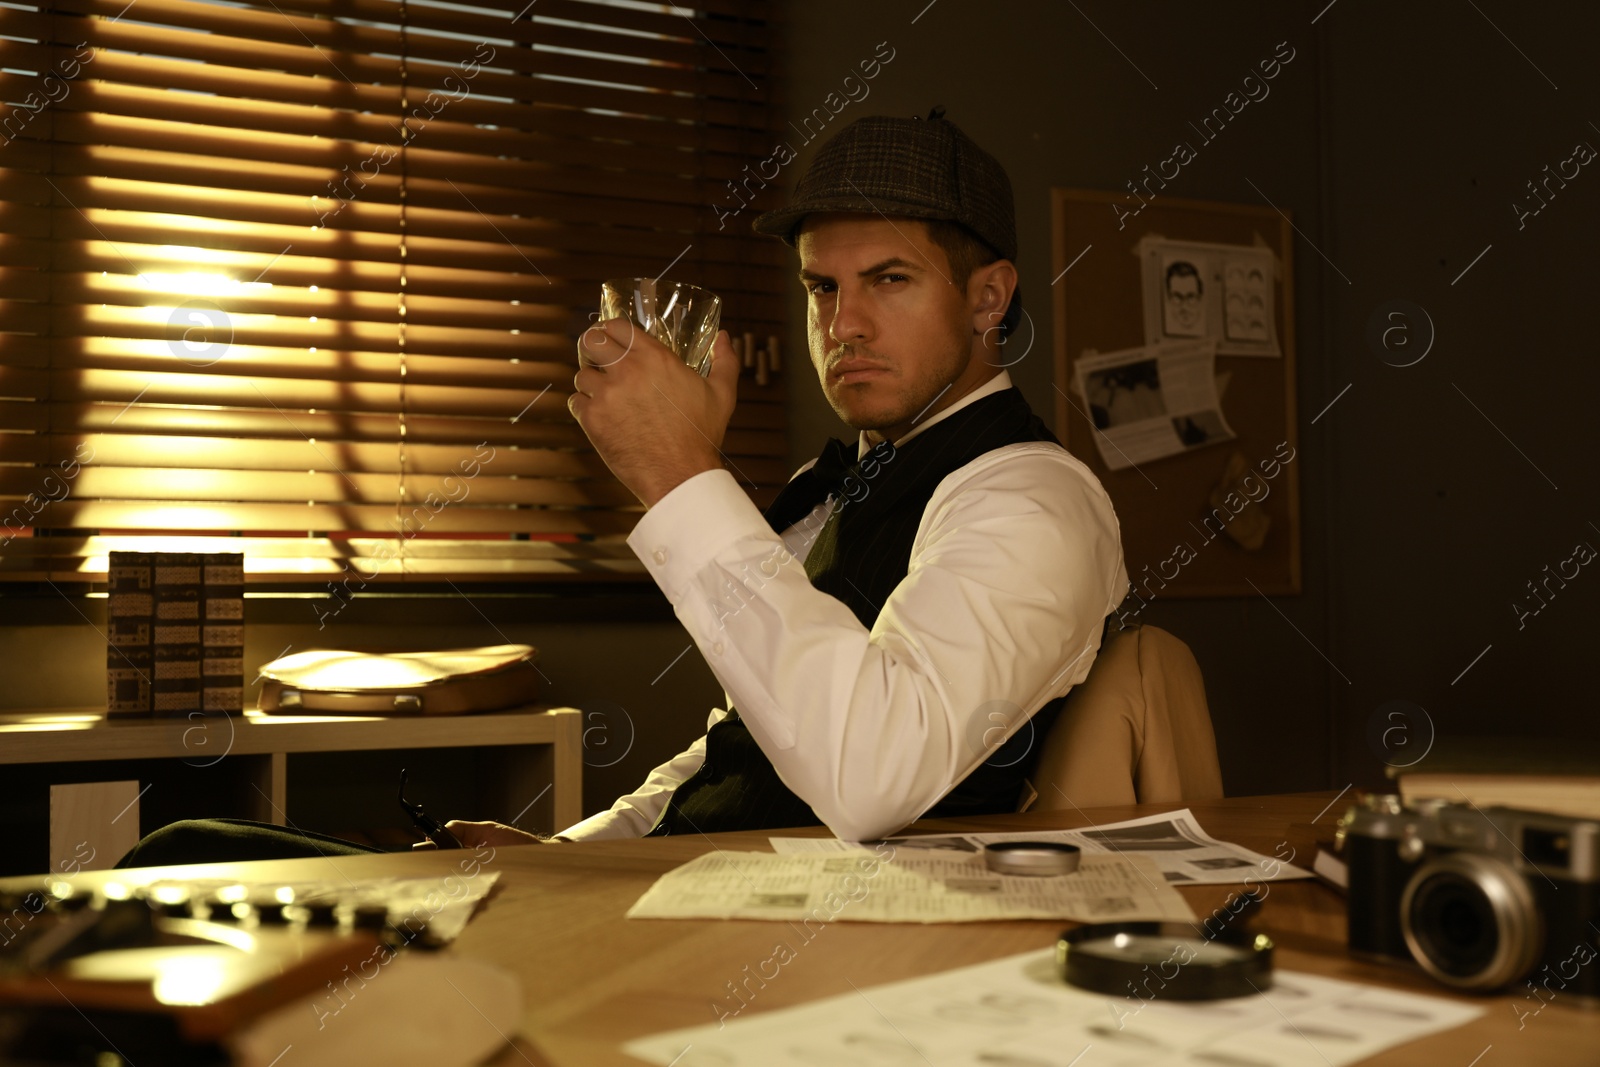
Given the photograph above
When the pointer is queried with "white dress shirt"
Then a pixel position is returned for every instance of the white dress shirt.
(1016, 564)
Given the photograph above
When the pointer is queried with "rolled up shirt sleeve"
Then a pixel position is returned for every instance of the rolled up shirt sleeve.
(1013, 569)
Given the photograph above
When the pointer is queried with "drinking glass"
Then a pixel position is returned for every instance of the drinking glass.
(683, 317)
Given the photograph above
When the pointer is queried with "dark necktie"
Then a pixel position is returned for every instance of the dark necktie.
(812, 486)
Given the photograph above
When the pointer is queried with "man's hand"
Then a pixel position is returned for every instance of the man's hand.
(493, 834)
(655, 422)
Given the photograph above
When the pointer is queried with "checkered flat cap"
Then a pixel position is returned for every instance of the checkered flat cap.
(920, 168)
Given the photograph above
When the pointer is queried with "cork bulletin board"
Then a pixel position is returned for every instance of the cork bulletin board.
(1174, 375)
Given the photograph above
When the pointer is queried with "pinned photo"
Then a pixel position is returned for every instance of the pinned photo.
(1194, 290)
(1183, 305)
(1152, 402)
(1247, 302)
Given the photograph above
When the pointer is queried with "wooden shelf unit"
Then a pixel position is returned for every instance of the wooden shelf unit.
(534, 757)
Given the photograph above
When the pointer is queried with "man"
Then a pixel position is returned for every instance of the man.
(958, 563)
(1186, 315)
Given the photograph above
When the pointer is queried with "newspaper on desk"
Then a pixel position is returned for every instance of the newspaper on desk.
(1016, 1012)
(911, 886)
(1182, 851)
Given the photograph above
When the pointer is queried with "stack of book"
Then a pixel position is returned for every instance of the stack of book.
(176, 636)
(1508, 772)
(1511, 772)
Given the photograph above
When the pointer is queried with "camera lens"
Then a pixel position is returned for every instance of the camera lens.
(1455, 924)
(1470, 921)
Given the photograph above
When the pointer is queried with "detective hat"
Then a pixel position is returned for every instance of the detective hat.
(921, 168)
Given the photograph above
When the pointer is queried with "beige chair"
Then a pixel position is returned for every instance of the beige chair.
(1136, 730)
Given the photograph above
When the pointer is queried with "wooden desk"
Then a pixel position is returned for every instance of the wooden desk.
(535, 744)
(594, 980)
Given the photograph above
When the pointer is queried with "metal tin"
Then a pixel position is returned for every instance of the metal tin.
(1039, 858)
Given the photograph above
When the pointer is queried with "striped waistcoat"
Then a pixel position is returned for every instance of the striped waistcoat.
(859, 557)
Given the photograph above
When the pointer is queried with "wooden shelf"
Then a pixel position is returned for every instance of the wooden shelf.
(534, 751)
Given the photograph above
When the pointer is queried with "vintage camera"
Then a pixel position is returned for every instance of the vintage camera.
(1478, 897)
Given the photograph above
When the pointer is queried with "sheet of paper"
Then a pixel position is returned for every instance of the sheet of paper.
(1151, 402)
(910, 886)
(1015, 1012)
(1198, 289)
(1174, 842)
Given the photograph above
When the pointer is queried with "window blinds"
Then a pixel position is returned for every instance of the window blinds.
(303, 278)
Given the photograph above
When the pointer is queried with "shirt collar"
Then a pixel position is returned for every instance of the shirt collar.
(993, 385)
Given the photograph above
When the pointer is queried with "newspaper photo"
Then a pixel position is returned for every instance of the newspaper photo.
(1179, 848)
(1152, 402)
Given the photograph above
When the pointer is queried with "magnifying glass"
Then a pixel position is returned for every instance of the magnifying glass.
(1112, 958)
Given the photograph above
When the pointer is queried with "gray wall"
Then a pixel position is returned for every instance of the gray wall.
(1456, 481)
(1397, 137)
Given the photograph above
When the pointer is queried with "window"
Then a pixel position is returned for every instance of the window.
(303, 279)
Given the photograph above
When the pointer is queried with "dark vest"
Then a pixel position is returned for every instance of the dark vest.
(859, 557)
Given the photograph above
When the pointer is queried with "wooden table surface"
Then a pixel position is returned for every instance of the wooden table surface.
(594, 980)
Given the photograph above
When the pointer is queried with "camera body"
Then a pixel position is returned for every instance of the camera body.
(1478, 897)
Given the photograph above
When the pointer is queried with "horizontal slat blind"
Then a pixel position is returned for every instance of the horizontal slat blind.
(303, 278)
